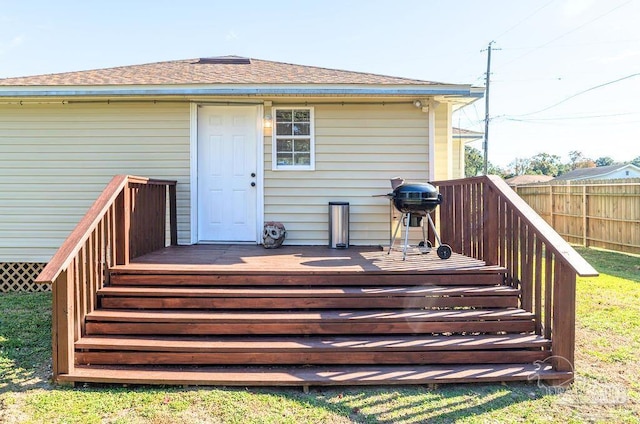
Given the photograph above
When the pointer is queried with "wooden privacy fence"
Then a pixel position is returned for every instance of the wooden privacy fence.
(126, 221)
(597, 215)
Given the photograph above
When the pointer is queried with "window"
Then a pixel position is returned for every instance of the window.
(293, 140)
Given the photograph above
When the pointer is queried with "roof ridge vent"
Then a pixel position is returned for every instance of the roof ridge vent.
(225, 60)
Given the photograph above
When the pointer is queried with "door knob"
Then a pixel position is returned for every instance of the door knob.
(253, 175)
(253, 184)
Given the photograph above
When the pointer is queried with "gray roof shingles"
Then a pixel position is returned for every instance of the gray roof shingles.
(190, 71)
(581, 173)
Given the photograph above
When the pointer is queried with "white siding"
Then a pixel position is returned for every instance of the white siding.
(55, 159)
(358, 149)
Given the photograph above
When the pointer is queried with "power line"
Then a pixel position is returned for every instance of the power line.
(569, 118)
(525, 19)
(579, 94)
(572, 45)
(569, 32)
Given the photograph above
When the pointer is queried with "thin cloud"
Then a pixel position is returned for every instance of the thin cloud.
(621, 56)
(573, 8)
(15, 42)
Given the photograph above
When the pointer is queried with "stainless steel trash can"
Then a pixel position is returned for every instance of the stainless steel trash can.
(338, 225)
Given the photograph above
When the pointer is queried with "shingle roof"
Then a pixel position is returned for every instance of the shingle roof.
(586, 173)
(469, 134)
(528, 179)
(222, 70)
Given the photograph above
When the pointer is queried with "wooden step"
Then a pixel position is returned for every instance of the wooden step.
(312, 350)
(119, 297)
(317, 375)
(176, 278)
(322, 322)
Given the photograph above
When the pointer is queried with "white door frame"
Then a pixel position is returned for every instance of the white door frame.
(193, 141)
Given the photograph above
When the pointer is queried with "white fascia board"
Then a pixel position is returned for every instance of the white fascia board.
(193, 90)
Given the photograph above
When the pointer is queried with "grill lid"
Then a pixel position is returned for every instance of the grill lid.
(420, 198)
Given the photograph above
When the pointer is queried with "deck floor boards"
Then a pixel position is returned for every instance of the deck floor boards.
(248, 258)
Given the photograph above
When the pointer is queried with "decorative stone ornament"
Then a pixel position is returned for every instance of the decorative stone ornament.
(273, 235)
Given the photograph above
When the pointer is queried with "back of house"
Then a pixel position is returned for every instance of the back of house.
(247, 140)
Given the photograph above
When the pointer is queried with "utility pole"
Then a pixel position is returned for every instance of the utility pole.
(486, 109)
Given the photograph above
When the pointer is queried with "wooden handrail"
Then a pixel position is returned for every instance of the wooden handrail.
(127, 220)
(484, 218)
(555, 242)
(72, 245)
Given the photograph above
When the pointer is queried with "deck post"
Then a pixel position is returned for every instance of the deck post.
(63, 336)
(123, 223)
(490, 226)
(173, 215)
(564, 318)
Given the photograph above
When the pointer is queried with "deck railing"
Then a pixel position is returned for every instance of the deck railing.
(484, 218)
(126, 221)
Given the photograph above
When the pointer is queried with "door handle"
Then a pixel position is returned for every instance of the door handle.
(253, 175)
(253, 184)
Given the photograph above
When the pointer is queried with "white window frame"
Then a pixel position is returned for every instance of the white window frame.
(311, 137)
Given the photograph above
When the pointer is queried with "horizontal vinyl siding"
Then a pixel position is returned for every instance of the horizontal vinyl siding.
(56, 159)
(458, 159)
(359, 148)
(443, 155)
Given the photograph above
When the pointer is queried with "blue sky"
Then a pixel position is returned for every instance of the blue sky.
(544, 91)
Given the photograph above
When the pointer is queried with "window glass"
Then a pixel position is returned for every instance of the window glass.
(293, 138)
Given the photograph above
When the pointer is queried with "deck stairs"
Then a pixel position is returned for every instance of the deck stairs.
(197, 327)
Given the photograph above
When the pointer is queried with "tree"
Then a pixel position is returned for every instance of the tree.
(636, 161)
(520, 166)
(604, 161)
(473, 162)
(546, 164)
(579, 160)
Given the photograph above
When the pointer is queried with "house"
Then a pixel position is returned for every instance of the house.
(611, 172)
(160, 278)
(528, 179)
(461, 137)
(311, 135)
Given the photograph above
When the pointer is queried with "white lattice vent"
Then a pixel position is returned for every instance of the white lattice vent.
(19, 277)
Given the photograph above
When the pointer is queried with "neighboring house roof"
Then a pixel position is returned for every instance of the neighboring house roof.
(467, 135)
(237, 76)
(528, 179)
(600, 172)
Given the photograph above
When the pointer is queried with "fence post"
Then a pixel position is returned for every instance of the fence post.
(551, 205)
(584, 216)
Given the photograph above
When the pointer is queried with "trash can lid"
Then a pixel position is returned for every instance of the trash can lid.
(339, 203)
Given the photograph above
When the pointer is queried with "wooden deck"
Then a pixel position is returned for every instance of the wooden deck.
(307, 259)
(127, 309)
(307, 315)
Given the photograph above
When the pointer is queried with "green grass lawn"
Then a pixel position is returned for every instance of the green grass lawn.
(607, 388)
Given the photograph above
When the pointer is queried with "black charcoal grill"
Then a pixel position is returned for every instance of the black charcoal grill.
(416, 201)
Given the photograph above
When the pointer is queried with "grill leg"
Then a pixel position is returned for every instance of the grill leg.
(433, 228)
(395, 233)
(406, 237)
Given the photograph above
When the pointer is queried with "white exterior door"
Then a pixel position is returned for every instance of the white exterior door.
(227, 169)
